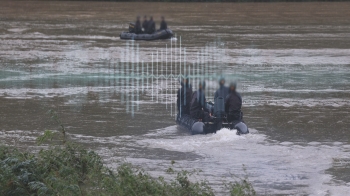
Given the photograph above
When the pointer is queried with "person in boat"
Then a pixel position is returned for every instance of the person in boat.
(184, 97)
(233, 105)
(223, 91)
(151, 26)
(145, 24)
(163, 24)
(198, 109)
(138, 28)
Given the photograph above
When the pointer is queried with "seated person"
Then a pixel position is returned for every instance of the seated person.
(163, 25)
(138, 28)
(145, 24)
(198, 109)
(184, 97)
(233, 105)
(151, 26)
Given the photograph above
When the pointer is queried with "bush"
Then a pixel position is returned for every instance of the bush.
(72, 170)
(56, 171)
(69, 169)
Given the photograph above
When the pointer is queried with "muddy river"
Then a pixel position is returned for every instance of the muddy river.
(291, 61)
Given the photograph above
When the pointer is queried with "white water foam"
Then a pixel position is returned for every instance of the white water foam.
(273, 167)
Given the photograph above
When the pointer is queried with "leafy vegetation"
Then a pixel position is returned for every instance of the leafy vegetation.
(66, 168)
(242, 187)
(72, 170)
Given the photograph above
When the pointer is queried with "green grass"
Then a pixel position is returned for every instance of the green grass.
(68, 169)
(72, 170)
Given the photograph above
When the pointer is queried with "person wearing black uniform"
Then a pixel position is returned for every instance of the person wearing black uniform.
(163, 25)
(184, 97)
(145, 24)
(233, 105)
(138, 28)
(151, 26)
(222, 91)
(198, 109)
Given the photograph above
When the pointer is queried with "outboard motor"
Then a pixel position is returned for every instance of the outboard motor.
(209, 106)
(241, 128)
(197, 128)
(131, 27)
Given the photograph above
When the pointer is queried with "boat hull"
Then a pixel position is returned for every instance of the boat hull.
(195, 126)
(162, 34)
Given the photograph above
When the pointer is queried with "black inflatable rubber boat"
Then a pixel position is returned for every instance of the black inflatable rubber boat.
(195, 126)
(160, 34)
(163, 34)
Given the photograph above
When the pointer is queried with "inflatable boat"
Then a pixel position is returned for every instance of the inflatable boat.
(195, 126)
(219, 121)
(160, 34)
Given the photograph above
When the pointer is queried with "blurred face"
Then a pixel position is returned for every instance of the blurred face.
(232, 88)
(222, 82)
(185, 81)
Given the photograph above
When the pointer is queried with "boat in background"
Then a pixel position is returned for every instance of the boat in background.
(160, 34)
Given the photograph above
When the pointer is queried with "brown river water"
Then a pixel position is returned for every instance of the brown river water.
(291, 61)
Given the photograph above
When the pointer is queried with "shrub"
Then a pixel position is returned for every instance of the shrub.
(69, 169)
(72, 170)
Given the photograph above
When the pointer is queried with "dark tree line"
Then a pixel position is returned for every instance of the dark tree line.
(220, 0)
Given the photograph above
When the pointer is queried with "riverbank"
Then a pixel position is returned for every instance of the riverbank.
(227, 14)
(70, 169)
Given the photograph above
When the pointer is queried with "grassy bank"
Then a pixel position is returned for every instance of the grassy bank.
(71, 170)
(65, 168)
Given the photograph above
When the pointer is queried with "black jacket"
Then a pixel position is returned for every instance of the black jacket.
(184, 98)
(197, 103)
(233, 105)
(138, 28)
(163, 25)
(151, 27)
(145, 25)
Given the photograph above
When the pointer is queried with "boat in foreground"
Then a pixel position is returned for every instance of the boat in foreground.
(219, 121)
